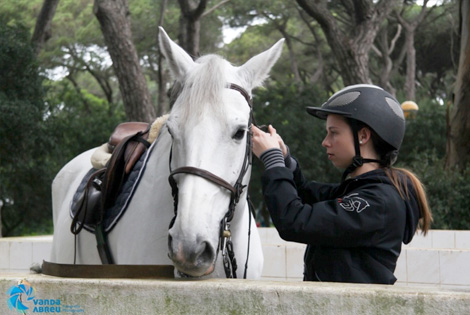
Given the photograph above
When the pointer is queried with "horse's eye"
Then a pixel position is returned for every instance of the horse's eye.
(239, 134)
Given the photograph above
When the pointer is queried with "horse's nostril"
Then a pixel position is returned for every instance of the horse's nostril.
(170, 242)
(205, 252)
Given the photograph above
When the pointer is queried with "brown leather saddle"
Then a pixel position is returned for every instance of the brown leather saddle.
(127, 143)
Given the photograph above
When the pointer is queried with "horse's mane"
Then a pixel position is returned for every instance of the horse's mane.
(203, 87)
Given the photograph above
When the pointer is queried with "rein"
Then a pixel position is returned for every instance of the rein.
(236, 190)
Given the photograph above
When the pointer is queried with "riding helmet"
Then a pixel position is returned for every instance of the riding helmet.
(371, 105)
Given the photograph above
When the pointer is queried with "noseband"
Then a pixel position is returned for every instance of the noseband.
(236, 190)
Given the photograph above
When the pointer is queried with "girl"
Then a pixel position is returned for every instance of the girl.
(354, 229)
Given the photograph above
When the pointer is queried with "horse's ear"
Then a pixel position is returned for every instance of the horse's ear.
(256, 70)
(178, 59)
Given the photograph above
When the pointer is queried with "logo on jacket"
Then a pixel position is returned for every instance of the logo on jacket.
(353, 203)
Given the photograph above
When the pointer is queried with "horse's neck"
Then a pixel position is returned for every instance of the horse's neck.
(152, 198)
(158, 160)
(154, 184)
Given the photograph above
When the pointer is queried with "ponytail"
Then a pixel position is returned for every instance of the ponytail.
(399, 176)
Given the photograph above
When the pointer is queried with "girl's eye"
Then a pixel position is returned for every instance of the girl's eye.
(239, 134)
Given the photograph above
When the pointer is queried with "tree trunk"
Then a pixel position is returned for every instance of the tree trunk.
(385, 51)
(281, 27)
(114, 18)
(351, 47)
(162, 105)
(102, 80)
(293, 59)
(410, 83)
(42, 30)
(410, 29)
(190, 25)
(458, 148)
(1, 205)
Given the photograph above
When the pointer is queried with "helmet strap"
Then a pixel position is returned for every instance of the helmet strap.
(358, 160)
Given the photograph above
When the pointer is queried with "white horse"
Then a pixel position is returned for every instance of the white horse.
(207, 129)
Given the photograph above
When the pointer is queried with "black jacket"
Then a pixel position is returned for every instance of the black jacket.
(354, 230)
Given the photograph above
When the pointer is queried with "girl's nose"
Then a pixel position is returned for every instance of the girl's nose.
(325, 143)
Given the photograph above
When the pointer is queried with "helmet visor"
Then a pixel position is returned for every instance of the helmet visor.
(323, 113)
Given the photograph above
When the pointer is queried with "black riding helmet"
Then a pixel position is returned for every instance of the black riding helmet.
(372, 106)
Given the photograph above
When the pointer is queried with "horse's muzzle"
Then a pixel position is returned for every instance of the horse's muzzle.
(195, 259)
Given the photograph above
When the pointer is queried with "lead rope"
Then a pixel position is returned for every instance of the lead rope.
(226, 246)
(248, 199)
(75, 249)
(250, 211)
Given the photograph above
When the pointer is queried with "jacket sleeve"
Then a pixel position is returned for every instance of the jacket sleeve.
(311, 192)
(350, 221)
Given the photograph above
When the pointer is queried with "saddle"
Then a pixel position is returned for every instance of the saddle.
(126, 144)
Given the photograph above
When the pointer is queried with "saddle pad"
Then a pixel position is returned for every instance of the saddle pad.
(113, 214)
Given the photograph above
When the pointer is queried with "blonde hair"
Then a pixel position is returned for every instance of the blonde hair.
(397, 177)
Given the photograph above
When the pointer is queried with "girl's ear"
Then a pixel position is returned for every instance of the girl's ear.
(364, 135)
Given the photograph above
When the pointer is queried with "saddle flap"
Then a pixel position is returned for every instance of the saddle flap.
(86, 208)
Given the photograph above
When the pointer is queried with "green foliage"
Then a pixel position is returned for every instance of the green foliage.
(43, 124)
(23, 175)
(251, 43)
(423, 152)
(425, 133)
(447, 191)
(19, 78)
(438, 37)
(84, 120)
(20, 12)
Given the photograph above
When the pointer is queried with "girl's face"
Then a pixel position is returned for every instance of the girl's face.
(339, 142)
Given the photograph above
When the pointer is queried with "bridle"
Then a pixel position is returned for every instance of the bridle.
(236, 190)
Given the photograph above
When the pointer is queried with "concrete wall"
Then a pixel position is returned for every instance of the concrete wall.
(441, 259)
(18, 254)
(223, 296)
(433, 275)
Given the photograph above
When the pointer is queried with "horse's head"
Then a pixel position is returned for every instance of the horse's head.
(209, 124)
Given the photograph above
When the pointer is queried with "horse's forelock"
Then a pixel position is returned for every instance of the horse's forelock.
(203, 87)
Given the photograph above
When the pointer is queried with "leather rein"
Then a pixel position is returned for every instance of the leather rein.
(236, 190)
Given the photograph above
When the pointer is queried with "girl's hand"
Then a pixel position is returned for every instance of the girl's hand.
(282, 145)
(263, 141)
